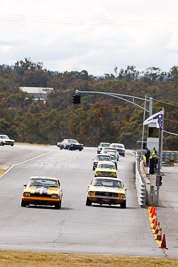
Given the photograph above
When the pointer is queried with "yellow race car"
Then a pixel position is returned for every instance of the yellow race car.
(106, 190)
(106, 168)
(42, 191)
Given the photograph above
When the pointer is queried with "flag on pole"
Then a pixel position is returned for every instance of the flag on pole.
(158, 118)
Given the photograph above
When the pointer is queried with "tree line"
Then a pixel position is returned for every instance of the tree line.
(98, 118)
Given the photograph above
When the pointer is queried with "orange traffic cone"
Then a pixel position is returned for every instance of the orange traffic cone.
(151, 209)
(155, 224)
(157, 228)
(154, 218)
(159, 235)
(163, 243)
(153, 213)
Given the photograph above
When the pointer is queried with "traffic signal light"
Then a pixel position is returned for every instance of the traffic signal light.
(76, 99)
(152, 166)
(158, 180)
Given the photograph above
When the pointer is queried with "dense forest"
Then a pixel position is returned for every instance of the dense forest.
(98, 118)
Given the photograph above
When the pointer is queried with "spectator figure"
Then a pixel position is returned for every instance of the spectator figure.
(154, 156)
(147, 156)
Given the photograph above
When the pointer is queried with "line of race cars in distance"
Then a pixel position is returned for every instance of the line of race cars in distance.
(106, 188)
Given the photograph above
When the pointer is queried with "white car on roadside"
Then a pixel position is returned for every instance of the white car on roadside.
(5, 140)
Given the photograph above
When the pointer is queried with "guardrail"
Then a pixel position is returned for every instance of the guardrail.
(140, 183)
(165, 156)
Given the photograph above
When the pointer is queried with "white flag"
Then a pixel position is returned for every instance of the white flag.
(158, 118)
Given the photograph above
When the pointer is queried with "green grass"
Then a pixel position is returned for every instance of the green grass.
(35, 259)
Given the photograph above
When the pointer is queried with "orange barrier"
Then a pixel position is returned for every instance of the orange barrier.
(163, 242)
(157, 228)
(153, 213)
(154, 218)
(155, 224)
(159, 235)
(151, 209)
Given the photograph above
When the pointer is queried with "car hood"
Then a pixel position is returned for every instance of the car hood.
(106, 189)
(7, 139)
(76, 144)
(41, 189)
(105, 170)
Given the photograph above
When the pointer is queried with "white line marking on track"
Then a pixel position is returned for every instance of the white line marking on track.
(16, 164)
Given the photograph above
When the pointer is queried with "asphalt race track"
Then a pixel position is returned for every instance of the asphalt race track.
(75, 228)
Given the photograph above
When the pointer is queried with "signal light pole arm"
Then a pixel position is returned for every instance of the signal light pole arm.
(121, 96)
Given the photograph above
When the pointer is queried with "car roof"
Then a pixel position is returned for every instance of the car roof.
(108, 178)
(117, 144)
(108, 153)
(104, 143)
(109, 148)
(70, 139)
(43, 177)
(106, 162)
(103, 155)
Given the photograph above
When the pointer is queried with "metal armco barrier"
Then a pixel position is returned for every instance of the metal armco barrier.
(167, 155)
(140, 184)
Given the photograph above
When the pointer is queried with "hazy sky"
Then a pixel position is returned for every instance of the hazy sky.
(92, 35)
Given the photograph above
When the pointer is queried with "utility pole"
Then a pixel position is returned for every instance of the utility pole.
(158, 176)
(150, 106)
(143, 127)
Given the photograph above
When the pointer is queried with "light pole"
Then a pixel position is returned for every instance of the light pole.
(126, 98)
(158, 176)
(122, 97)
(143, 127)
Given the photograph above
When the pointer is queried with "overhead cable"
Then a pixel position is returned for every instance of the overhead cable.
(166, 103)
(170, 133)
(82, 20)
(170, 120)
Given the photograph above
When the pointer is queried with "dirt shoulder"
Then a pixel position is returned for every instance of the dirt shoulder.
(3, 169)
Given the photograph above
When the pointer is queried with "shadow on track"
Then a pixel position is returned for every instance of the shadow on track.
(112, 207)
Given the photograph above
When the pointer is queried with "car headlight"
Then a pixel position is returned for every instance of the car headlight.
(26, 194)
(90, 193)
(122, 195)
(54, 196)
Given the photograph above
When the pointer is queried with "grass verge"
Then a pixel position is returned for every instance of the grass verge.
(2, 172)
(3, 169)
(39, 259)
